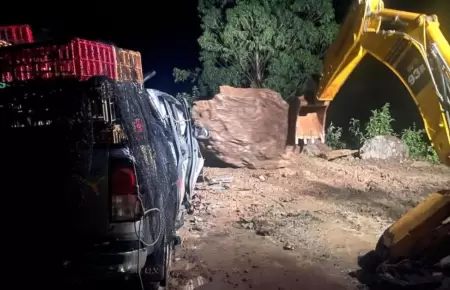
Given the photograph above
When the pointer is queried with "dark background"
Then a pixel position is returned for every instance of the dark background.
(166, 33)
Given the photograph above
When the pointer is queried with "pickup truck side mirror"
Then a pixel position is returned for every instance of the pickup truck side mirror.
(200, 132)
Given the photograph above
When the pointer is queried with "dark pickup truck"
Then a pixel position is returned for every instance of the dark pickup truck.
(118, 165)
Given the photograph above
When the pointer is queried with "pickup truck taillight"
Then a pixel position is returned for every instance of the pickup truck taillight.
(125, 204)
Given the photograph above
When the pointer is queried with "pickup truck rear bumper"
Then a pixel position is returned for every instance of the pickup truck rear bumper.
(102, 264)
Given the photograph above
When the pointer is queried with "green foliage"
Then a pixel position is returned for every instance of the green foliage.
(276, 44)
(180, 76)
(380, 123)
(432, 156)
(356, 134)
(334, 137)
(190, 97)
(418, 146)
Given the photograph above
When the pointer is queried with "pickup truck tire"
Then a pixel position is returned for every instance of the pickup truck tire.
(153, 286)
(163, 256)
(180, 221)
(168, 253)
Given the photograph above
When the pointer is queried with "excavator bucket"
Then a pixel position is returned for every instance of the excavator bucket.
(310, 122)
(311, 116)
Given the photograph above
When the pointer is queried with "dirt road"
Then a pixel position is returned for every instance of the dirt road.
(300, 227)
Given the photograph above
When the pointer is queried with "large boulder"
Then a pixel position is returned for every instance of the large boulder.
(384, 147)
(248, 127)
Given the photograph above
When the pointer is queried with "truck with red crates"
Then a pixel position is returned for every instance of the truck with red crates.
(95, 169)
(55, 96)
(121, 202)
(74, 59)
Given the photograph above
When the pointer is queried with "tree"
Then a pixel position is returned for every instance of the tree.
(274, 44)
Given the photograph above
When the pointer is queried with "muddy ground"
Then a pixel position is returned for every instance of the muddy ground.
(300, 227)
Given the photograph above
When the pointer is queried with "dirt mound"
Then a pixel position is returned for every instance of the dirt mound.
(299, 227)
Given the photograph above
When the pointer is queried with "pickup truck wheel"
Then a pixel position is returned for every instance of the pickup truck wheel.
(180, 221)
(153, 286)
(162, 256)
(168, 252)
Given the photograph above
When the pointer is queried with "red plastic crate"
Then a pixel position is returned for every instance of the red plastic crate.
(17, 34)
(78, 58)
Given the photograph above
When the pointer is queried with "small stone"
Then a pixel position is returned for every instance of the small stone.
(262, 178)
(288, 246)
(264, 231)
(197, 228)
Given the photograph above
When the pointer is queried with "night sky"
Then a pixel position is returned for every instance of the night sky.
(166, 34)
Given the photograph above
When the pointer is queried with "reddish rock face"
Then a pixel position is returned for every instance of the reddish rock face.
(248, 127)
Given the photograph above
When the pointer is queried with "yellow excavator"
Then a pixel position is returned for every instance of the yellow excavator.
(413, 47)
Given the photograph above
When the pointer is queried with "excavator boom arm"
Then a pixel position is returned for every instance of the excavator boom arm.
(412, 46)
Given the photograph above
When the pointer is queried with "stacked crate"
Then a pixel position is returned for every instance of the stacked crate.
(73, 59)
(129, 65)
(78, 58)
(17, 34)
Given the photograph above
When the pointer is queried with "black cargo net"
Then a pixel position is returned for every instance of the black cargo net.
(148, 141)
(48, 136)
